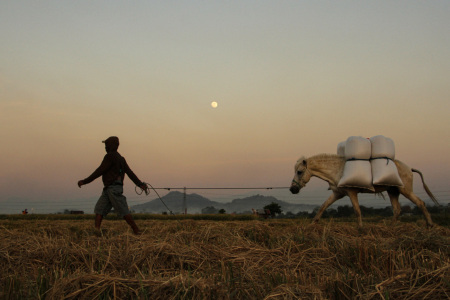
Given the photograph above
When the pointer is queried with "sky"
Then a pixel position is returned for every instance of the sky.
(291, 78)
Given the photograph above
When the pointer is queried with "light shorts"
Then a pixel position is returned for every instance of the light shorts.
(112, 196)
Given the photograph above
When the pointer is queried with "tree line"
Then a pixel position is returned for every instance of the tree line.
(347, 211)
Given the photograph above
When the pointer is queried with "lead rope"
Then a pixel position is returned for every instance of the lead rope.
(147, 192)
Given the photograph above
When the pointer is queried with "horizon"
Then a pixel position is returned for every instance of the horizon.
(314, 197)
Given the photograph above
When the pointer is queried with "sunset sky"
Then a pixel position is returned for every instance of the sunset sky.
(290, 78)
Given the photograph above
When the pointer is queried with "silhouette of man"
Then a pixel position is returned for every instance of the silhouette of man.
(113, 169)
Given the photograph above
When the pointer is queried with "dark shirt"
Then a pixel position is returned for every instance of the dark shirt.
(113, 168)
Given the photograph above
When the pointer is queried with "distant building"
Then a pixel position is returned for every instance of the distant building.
(264, 213)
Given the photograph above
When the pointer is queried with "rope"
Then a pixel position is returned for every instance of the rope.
(147, 192)
(221, 188)
(352, 159)
(384, 157)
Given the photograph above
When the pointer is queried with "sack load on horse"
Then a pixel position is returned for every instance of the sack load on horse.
(369, 162)
(357, 170)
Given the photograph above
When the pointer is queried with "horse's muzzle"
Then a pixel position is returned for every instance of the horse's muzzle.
(295, 189)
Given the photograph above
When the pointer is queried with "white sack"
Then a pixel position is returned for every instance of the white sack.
(382, 147)
(341, 149)
(357, 147)
(384, 172)
(357, 173)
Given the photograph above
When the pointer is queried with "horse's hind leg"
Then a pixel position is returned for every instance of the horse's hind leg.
(393, 196)
(419, 203)
(354, 198)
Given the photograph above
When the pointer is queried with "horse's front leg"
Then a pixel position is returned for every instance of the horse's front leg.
(354, 198)
(333, 197)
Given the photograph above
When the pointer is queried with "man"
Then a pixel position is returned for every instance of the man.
(113, 169)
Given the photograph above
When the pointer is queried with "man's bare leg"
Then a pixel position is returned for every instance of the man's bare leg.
(132, 224)
(98, 221)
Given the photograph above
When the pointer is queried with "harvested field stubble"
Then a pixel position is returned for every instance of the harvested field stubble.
(190, 259)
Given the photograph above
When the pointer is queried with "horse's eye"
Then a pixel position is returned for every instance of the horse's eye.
(299, 173)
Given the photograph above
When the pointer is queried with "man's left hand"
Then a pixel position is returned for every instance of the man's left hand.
(144, 187)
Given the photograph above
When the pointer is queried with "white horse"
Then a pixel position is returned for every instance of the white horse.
(330, 167)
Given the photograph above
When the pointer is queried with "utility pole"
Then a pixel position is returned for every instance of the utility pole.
(184, 201)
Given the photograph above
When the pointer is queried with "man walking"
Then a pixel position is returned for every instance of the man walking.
(113, 169)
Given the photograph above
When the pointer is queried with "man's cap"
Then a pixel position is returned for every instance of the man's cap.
(112, 140)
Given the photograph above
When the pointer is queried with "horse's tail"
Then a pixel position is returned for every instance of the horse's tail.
(426, 187)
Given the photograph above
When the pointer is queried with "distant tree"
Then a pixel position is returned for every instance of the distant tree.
(366, 211)
(326, 214)
(209, 210)
(289, 215)
(222, 211)
(416, 211)
(331, 213)
(385, 212)
(344, 211)
(435, 209)
(406, 209)
(302, 214)
(274, 208)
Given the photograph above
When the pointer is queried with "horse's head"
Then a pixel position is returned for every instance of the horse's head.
(302, 176)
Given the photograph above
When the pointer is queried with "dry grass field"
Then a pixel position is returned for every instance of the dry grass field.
(204, 259)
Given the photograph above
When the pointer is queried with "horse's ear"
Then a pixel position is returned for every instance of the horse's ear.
(304, 162)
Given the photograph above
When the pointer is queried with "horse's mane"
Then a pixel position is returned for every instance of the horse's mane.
(323, 156)
(317, 157)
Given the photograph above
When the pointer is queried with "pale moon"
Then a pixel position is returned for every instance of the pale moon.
(214, 104)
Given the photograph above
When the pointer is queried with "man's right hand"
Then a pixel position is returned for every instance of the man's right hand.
(80, 183)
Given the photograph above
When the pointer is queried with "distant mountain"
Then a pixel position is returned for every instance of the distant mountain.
(174, 201)
(195, 203)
